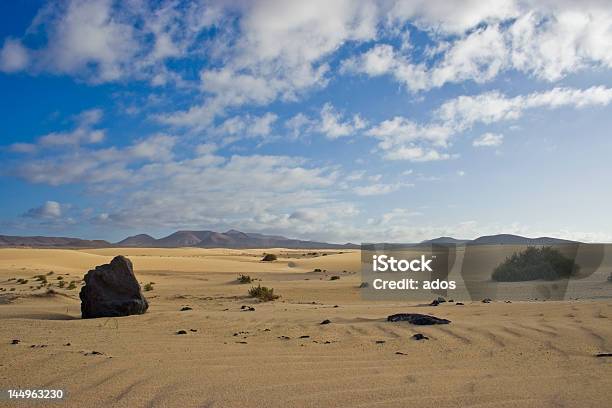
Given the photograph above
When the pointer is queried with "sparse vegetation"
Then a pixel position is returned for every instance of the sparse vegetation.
(22, 281)
(534, 263)
(244, 279)
(41, 278)
(263, 293)
(60, 278)
(148, 287)
(71, 285)
(269, 258)
(335, 277)
(317, 270)
(61, 284)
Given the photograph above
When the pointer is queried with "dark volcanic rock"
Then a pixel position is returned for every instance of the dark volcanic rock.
(326, 321)
(420, 336)
(416, 318)
(111, 290)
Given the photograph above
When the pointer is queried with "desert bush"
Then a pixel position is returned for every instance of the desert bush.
(148, 287)
(269, 258)
(534, 263)
(61, 283)
(335, 277)
(41, 278)
(60, 278)
(244, 279)
(22, 281)
(262, 293)
(71, 285)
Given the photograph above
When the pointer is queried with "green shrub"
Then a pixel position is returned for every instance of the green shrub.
(61, 284)
(71, 285)
(335, 277)
(535, 263)
(244, 279)
(269, 258)
(262, 293)
(148, 287)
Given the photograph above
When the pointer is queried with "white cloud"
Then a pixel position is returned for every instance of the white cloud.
(488, 140)
(379, 189)
(333, 126)
(49, 210)
(14, 56)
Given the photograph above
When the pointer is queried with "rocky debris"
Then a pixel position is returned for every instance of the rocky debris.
(38, 346)
(111, 290)
(304, 337)
(417, 319)
(67, 344)
(240, 333)
(284, 337)
(381, 341)
(603, 355)
(326, 321)
(486, 300)
(185, 308)
(334, 277)
(440, 299)
(246, 308)
(193, 330)
(15, 341)
(181, 332)
(269, 258)
(419, 336)
(459, 304)
(400, 353)
(242, 342)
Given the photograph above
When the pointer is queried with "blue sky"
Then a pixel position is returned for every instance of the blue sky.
(343, 121)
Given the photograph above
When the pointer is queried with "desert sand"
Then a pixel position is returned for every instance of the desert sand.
(519, 354)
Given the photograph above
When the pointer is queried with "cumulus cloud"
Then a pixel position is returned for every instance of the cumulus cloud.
(488, 140)
(333, 126)
(14, 56)
(49, 210)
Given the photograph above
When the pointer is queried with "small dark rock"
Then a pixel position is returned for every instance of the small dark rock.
(185, 308)
(246, 308)
(335, 277)
(15, 341)
(284, 337)
(603, 355)
(380, 341)
(459, 304)
(304, 337)
(434, 303)
(326, 321)
(181, 332)
(67, 344)
(400, 353)
(193, 330)
(486, 300)
(420, 336)
(440, 299)
(269, 258)
(417, 318)
(451, 301)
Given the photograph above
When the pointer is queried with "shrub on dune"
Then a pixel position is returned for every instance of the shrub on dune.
(244, 279)
(263, 293)
(534, 263)
(269, 258)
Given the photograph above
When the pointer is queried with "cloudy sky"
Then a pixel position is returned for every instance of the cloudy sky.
(333, 120)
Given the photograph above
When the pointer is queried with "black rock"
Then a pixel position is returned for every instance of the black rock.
(326, 321)
(603, 355)
(417, 318)
(434, 302)
(181, 332)
(486, 300)
(246, 308)
(185, 308)
(304, 337)
(459, 304)
(111, 290)
(15, 341)
(420, 336)
(440, 299)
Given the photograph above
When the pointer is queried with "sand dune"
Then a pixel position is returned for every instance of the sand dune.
(523, 354)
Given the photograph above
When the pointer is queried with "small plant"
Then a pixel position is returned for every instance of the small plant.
(244, 279)
(263, 293)
(61, 284)
(335, 277)
(41, 278)
(317, 270)
(71, 285)
(148, 287)
(22, 281)
(269, 258)
(60, 278)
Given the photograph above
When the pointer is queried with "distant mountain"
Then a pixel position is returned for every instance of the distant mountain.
(51, 242)
(509, 239)
(140, 240)
(445, 240)
(228, 239)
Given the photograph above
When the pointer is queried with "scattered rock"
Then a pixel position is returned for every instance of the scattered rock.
(459, 304)
(451, 301)
(335, 277)
(269, 258)
(326, 321)
(246, 308)
(603, 355)
(508, 301)
(380, 341)
(417, 318)
(486, 300)
(304, 337)
(440, 299)
(181, 332)
(185, 308)
(193, 330)
(111, 290)
(419, 336)
(400, 353)
(434, 302)
(15, 341)
(67, 344)
(284, 337)
(96, 353)
(242, 342)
